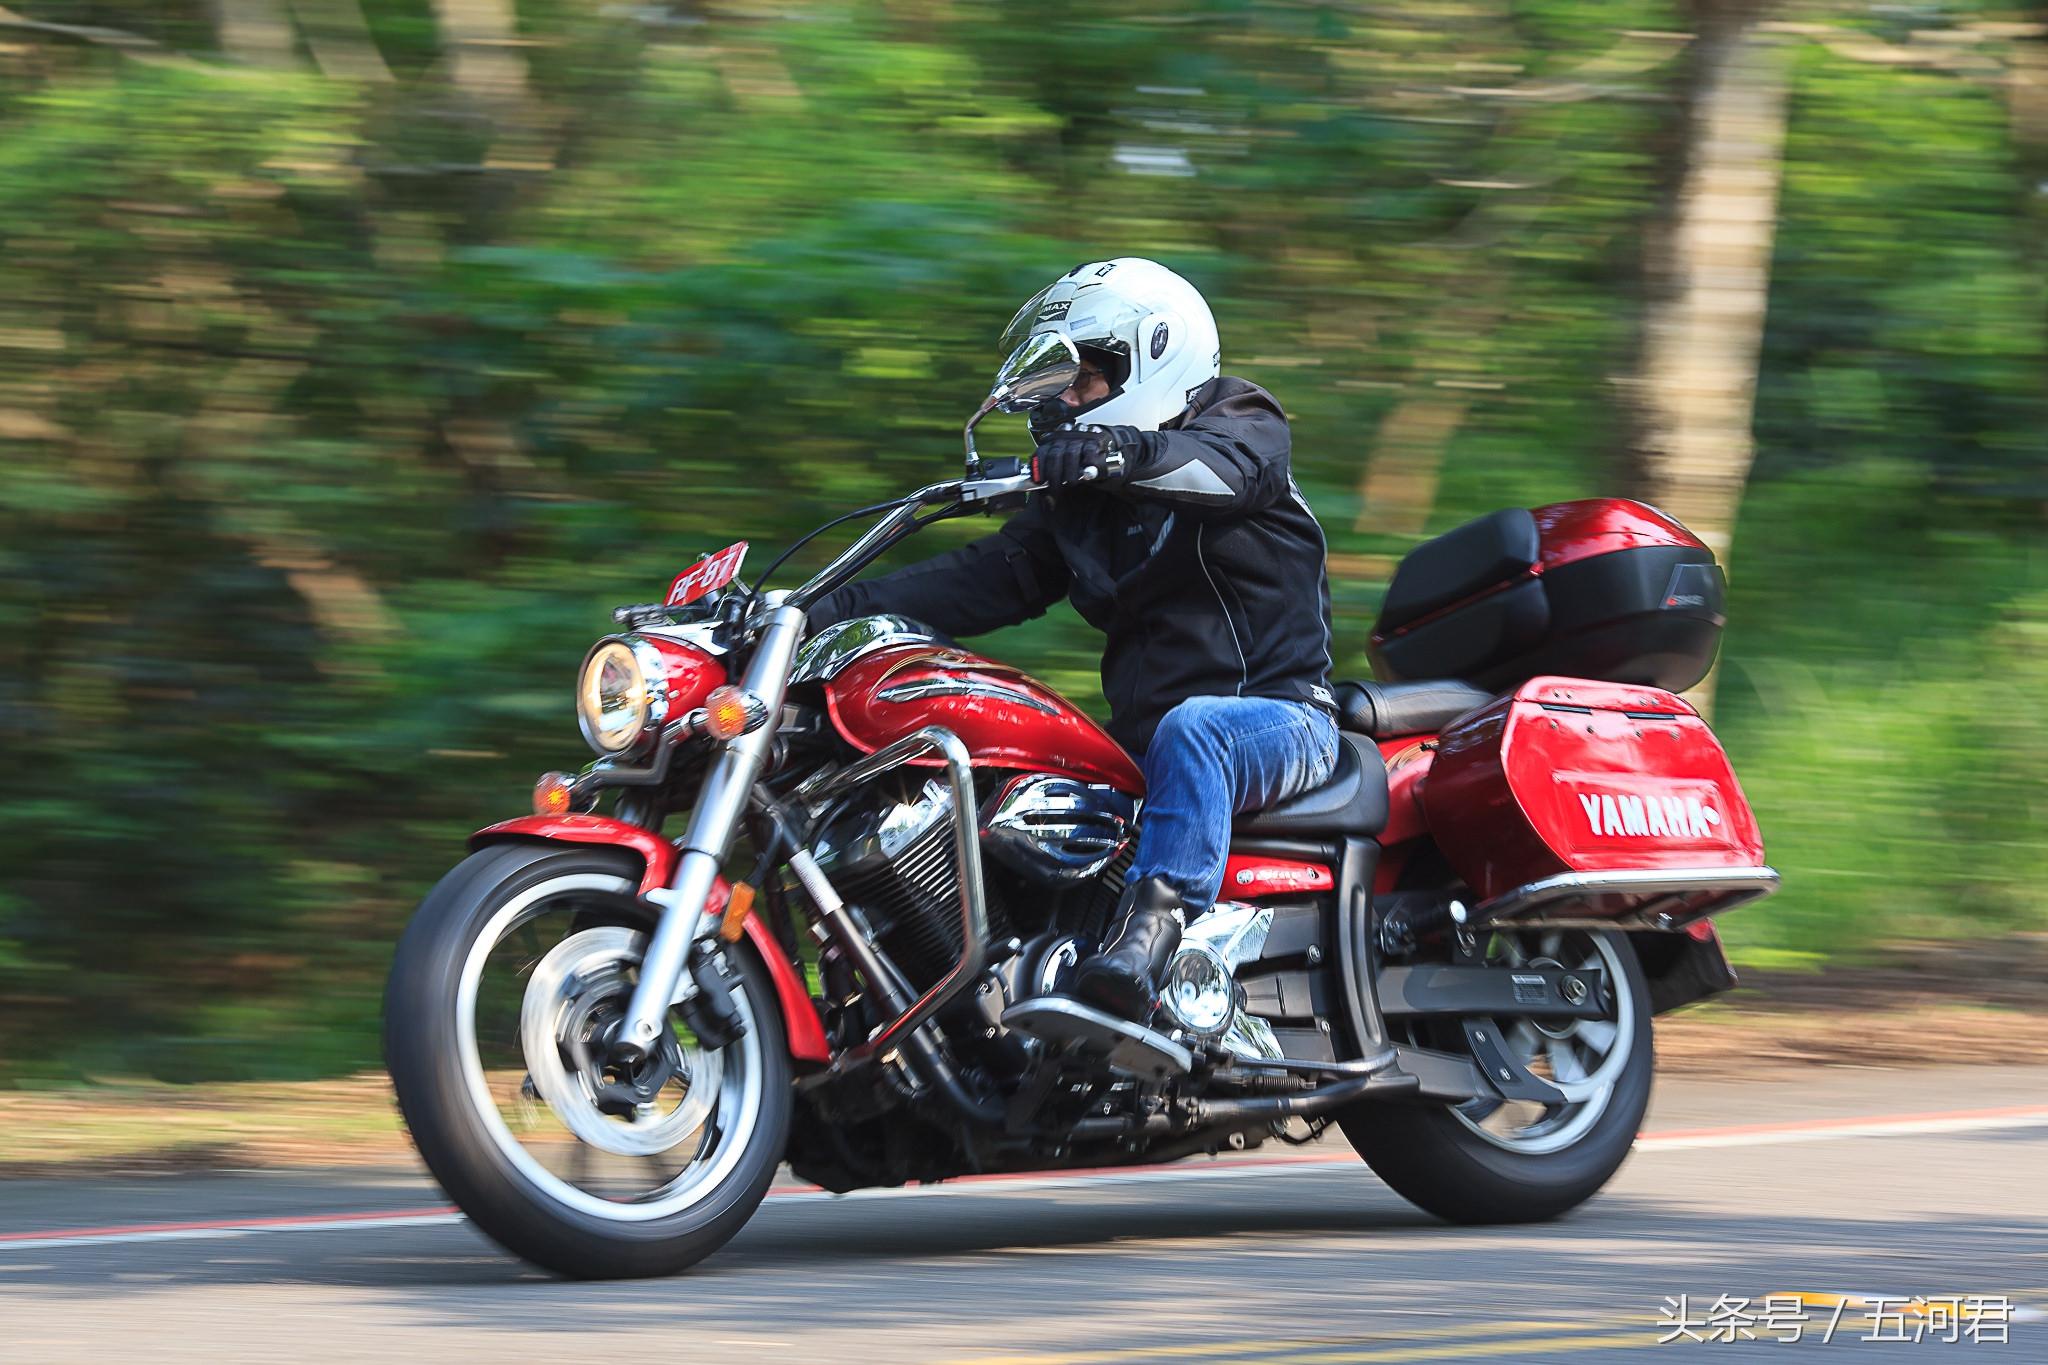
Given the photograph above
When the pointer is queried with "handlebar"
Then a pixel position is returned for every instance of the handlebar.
(894, 526)
(976, 492)
(952, 496)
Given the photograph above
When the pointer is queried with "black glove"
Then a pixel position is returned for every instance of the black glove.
(1064, 457)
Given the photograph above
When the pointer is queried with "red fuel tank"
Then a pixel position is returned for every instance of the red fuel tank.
(1004, 717)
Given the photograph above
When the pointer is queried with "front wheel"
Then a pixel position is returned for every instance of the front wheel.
(501, 998)
(1502, 1161)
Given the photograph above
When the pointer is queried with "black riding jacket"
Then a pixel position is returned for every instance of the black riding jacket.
(1205, 569)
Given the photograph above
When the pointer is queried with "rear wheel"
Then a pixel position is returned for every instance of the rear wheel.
(1505, 1161)
(501, 999)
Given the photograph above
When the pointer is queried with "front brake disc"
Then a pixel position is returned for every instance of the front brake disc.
(582, 980)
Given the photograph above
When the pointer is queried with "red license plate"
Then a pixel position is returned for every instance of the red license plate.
(707, 575)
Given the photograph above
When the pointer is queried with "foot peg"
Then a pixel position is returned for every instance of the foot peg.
(1069, 1025)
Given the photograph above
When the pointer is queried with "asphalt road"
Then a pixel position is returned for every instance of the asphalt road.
(1888, 1183)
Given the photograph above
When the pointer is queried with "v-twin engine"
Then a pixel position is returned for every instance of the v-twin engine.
(1043, 834)
(894, 862)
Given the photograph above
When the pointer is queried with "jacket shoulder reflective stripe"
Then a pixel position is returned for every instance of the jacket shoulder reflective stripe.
(1193, 479)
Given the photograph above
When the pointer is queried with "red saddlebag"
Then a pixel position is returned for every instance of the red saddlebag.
(1568, 776)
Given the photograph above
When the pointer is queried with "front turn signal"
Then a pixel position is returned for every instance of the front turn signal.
(730, 712)
(554, 794)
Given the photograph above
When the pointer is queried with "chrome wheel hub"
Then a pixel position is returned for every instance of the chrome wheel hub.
(1583, 1059)
(574, 1000)
(537, 998)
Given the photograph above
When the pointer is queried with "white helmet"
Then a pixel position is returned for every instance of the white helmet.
(1146, 328)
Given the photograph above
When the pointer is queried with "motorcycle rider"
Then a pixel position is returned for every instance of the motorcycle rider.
(1172, 522)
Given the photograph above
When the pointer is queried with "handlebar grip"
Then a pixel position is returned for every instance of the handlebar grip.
(1111, 467)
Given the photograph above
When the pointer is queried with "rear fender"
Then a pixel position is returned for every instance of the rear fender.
(658, 864)
(1683, 967)
(1408, 763)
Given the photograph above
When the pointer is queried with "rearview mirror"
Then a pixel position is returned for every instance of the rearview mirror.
(1041, 369)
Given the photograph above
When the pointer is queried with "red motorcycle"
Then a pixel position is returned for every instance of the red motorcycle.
(606, 1039)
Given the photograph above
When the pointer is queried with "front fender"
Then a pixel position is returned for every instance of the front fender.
(658, 864)
(657, 855)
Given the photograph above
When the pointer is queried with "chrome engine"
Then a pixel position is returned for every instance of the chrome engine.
(1049, 839)
(894, 862)
(894, 859)
(1054, 829)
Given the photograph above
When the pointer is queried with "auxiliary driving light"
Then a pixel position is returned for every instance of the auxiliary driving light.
(730, 712)
(1199, 994)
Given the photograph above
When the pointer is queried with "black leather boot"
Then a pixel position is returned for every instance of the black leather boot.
(1125, 977)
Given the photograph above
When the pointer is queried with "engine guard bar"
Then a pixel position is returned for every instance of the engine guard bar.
(1677, 897)
(967, 847)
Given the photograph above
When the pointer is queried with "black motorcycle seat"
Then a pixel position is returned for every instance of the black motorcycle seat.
(1391, 710)
(1353, 802)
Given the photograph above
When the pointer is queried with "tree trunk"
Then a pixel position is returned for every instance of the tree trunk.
(1397, 487)
(481, 38)
(258, 32)
(2027, 82)
(1704, 328)
(339, 38)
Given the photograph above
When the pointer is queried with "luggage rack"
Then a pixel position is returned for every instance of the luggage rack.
(1664, 898)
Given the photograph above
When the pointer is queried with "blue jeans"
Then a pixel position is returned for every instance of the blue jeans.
(1211, 758)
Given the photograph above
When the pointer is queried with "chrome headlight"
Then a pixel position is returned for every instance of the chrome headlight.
(622, 695)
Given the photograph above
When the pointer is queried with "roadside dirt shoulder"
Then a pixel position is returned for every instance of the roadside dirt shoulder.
(1919, 1004)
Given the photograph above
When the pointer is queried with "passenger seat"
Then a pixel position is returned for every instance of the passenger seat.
(1390, 710)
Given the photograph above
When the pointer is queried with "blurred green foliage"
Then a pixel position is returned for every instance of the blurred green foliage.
(1889, 612)
(345, 384)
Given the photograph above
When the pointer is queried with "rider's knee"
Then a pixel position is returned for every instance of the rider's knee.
(1197, 724)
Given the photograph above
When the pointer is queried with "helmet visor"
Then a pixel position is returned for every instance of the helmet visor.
(1090, 316)
(1029, 316)
(1043, 366)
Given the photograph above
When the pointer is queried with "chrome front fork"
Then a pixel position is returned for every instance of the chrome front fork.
(663, 976)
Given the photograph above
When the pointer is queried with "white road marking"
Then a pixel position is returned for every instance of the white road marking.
(1826, 1130)
(1875, 1128)
(89, 1238)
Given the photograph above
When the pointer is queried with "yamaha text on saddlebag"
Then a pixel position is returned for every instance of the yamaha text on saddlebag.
(607, 1032)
